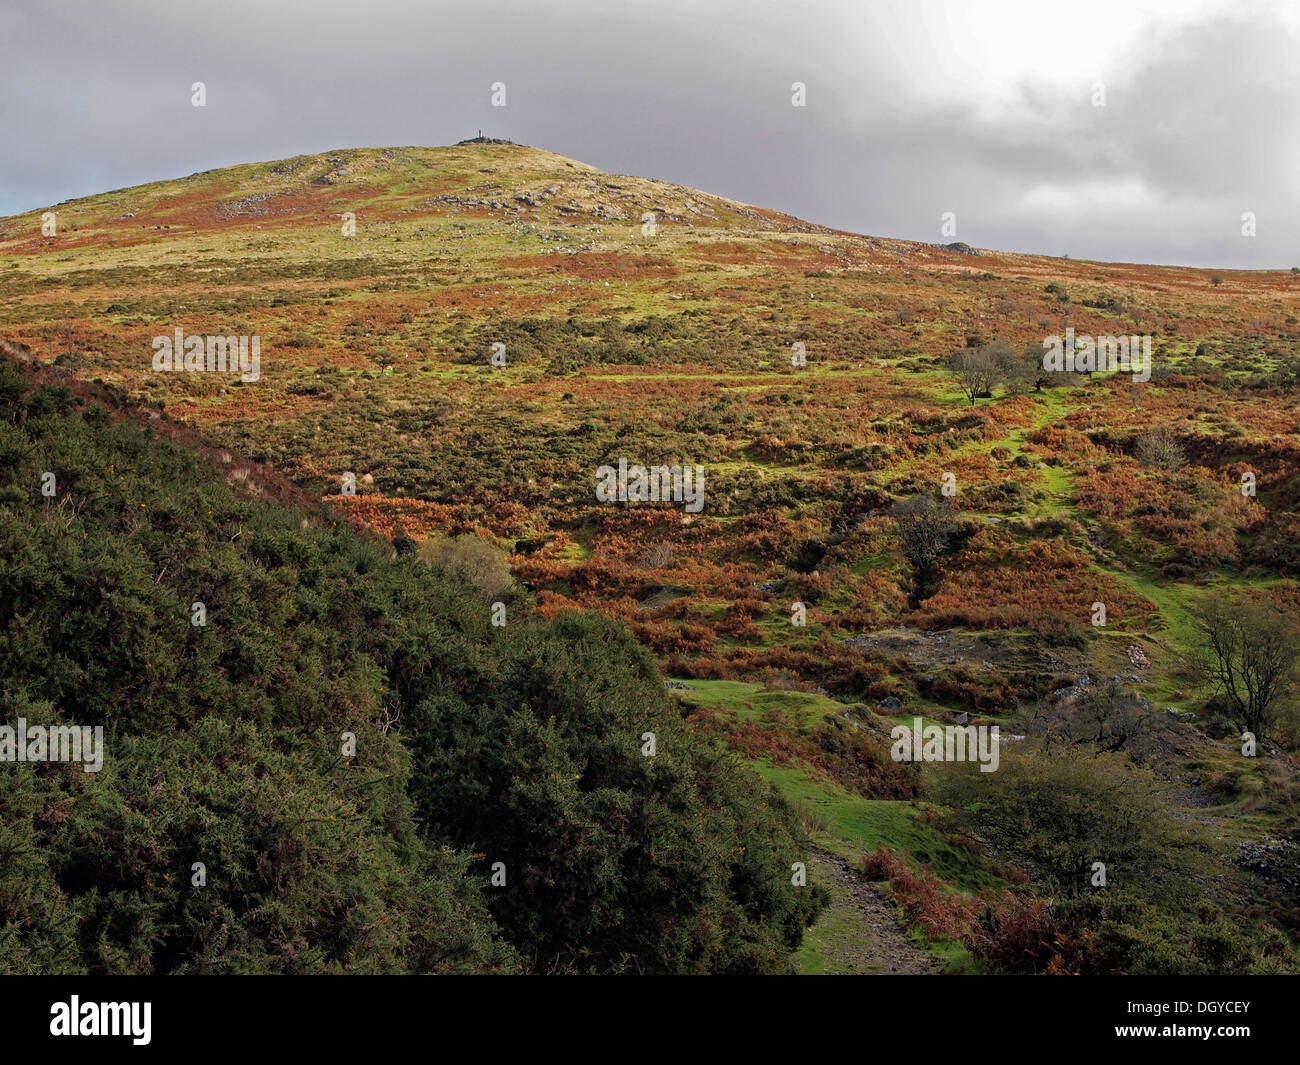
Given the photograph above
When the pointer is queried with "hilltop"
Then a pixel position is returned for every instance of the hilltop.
(495, 178)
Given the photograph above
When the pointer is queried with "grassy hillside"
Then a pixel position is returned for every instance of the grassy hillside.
(655, 323)
(337, 764)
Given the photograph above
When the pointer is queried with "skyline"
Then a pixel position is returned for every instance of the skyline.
(910, 112)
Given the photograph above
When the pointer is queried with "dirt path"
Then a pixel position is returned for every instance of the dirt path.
(859, 933)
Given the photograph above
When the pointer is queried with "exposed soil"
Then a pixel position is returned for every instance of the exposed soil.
(874, 942)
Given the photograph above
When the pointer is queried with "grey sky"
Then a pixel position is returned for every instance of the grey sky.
(914, 107)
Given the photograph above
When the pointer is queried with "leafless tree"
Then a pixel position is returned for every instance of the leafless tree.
(1160, 449)
(977, 371)
(470, 559)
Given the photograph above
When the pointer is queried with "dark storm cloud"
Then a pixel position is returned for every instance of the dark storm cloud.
(1200, 123)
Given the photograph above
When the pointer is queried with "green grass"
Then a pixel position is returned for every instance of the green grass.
(855, 824)
(751, 701)
(845, 824)
(825, 943)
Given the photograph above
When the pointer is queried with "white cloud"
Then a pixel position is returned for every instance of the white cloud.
(915, 107)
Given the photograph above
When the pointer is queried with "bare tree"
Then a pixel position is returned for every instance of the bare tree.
(977, 371)
(1108, 717)
(1160, 449)
(1250, 652)
(1022, 371)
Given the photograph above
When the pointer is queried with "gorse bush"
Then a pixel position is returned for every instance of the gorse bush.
(225, 745)
(309, 864)
(1167, 901)
(609, 849)
(1056, 812)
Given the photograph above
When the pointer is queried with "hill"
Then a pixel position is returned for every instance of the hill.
(810, 374)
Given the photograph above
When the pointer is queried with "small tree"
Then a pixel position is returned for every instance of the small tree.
(1054, 814)
(1249, 651)
(1160, 449)
(1108, 718)
(977, 372)
(928, 532)
(656, 556)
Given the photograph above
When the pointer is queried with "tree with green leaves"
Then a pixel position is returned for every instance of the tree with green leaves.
(1250, 652)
